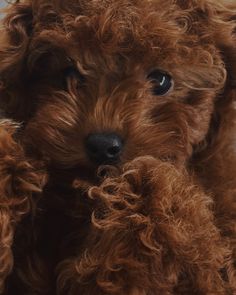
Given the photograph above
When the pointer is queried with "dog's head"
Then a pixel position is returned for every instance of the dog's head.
(105, 81)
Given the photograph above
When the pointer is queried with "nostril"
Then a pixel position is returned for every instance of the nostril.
(113, 151)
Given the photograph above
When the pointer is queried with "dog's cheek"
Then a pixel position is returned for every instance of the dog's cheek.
(198, 123)
(199, 117)
(176, 127)
(54, 131)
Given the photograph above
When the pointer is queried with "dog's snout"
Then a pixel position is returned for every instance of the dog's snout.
(104, 148)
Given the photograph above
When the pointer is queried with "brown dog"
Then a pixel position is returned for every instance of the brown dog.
(117, 148)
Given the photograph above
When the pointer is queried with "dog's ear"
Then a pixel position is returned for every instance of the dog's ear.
(15, 35)
(214, 22)
(14, 40)
(222, 20)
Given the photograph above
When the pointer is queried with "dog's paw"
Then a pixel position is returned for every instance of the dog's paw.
(150, 212)
(152, 222)
(127, 197)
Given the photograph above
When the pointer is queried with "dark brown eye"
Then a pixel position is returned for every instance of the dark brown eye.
(162, 82)
(71, 72)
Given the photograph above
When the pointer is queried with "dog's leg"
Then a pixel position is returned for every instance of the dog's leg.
(152, 232)
(18, 182)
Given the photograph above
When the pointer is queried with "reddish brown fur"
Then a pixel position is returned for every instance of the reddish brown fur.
(163, 220)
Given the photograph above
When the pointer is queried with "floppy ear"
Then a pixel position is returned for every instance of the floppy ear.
(214, 22)
(222, 21)
(224, 33)
(14, 40)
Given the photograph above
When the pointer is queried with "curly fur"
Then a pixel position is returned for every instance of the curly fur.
(163, 220)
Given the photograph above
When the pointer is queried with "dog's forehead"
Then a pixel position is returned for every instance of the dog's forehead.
(116, 25)
(91, 7)
(149, 33)
(135, 29)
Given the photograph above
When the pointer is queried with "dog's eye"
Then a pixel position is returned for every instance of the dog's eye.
(162, 82)
(71, 72)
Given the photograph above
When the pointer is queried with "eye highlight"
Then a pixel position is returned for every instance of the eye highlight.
(161, 81)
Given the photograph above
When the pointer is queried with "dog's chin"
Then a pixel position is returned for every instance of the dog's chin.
(86, 173)
(92, 174)
(84, 177)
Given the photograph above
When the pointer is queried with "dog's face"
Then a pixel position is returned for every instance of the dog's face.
(107, 81)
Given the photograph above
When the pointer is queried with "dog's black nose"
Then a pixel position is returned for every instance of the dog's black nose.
(104, 148)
